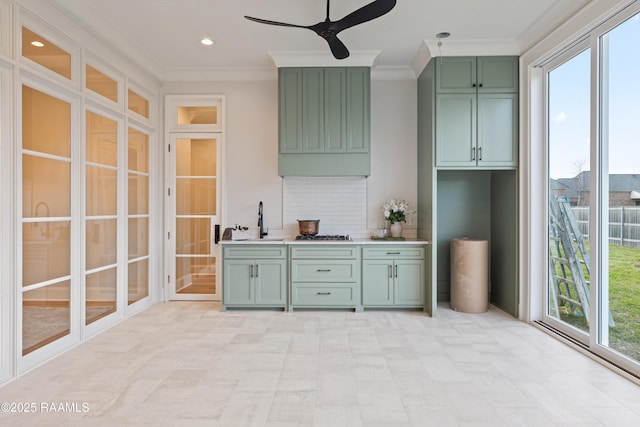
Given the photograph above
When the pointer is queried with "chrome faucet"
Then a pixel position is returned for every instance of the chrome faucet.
(261, 222)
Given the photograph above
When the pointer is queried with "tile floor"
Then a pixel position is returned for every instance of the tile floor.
(189, 364)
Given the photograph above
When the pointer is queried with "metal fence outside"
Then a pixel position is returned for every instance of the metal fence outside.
(624, 225)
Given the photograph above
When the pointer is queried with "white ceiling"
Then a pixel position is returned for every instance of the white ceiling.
(163, 36)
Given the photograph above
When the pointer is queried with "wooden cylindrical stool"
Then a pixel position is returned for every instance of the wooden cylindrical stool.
(469, 275)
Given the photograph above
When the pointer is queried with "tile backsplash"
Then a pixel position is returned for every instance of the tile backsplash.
(340, 203)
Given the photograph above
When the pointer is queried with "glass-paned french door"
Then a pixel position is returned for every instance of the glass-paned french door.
(48, 303)
(194, 206)
(593, 290)
(84, 221)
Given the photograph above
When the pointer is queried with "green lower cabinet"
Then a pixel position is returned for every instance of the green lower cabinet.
(256, 282)
(393, 281)
(325, 276)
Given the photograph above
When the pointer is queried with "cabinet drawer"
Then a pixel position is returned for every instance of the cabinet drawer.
(323, 294)
(327, 252)
(386, 252)
(257, 251)
(318, 271)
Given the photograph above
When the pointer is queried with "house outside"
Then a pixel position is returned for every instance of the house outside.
(624, 189)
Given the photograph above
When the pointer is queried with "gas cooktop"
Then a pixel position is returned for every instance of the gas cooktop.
(323, 237)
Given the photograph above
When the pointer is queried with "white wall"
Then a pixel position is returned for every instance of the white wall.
(251, 150)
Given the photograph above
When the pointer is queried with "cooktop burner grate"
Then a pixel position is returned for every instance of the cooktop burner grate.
(322, 237)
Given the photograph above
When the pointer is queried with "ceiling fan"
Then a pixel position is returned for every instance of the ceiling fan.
(329, 29)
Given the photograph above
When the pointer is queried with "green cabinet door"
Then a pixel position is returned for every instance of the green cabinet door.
(335, 118)
(497, 130)
(456, 130)
(238, 282)
(358, 108)
(290, 109)
(456, 74)
(393, 282)
(409, 278)
(497, 74)
(270, 282)
(377, 282)
(313, 110)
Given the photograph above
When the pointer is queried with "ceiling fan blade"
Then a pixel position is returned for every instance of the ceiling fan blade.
(338, 49)
(366, 13)
(265, 21)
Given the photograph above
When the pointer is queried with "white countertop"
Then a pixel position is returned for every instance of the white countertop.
(325, 242)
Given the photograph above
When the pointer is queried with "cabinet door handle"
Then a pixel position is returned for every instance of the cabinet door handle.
(393, 253)
(326, 270)
(396, 268)
(257, 270)
(390, 271)
(251, 270)
(323, 293)
(473, 154)
(473, 85)
(479, 153)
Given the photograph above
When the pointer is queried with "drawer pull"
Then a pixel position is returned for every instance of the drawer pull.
(327, 270)
(393, 253)
(324, 293)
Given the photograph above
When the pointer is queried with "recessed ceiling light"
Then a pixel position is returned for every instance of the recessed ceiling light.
(443, 35)
(37, 44)
(206, 41)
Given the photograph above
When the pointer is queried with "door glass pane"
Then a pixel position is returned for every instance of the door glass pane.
(101, 83)
(193, 236)
(195, 275)
(42, 51)
(138, 104)
(138, 194)
(46, 123)
(45, 251)
(101, 243)
(621, 127)
(46, 315)
(138, 155)
(196, 157)
(198, 115)
(102, 191)
(138, 235)
(46, 187)
(101, 294)
(138, 277)
(195, 196)
(102, 140)
(569, 162)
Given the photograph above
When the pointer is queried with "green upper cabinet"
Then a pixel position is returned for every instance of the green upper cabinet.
(290, 110)
(497, 74)
(358, 105)
(324, 121)
(456, 75)
(476, 112)
(484, 74)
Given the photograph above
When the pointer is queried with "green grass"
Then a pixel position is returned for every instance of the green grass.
(624, 302)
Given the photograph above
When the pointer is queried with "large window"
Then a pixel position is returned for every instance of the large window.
(593, 221)
(620, 189)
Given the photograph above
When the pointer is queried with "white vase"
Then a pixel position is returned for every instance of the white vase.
(396, 229)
